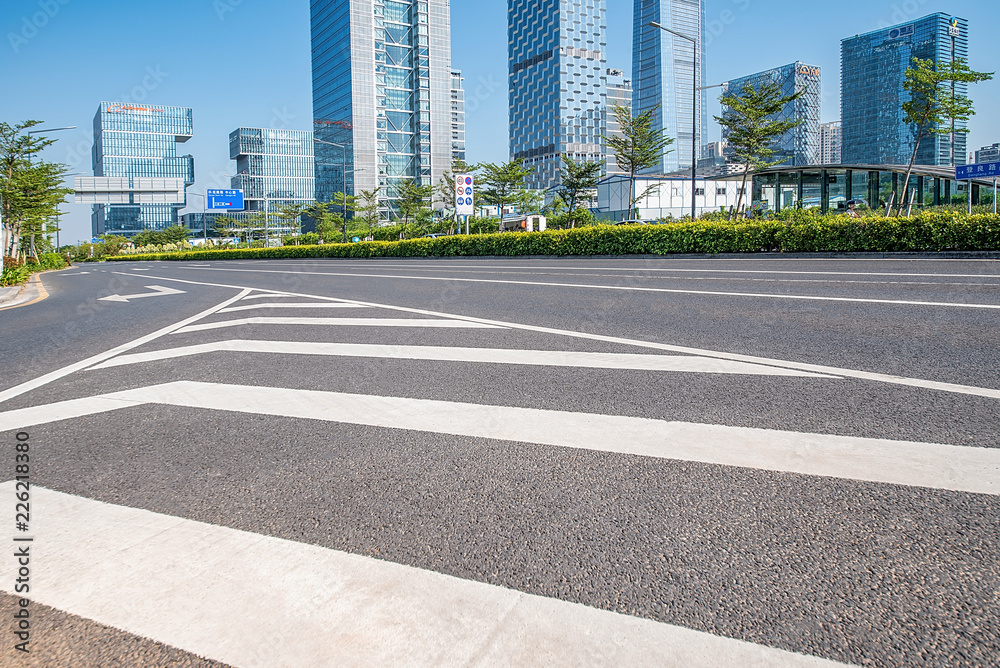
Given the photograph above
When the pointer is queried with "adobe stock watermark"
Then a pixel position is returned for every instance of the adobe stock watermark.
(485, 87)
(77, 153)
(33, 24)
(223, 7)
(902, 12)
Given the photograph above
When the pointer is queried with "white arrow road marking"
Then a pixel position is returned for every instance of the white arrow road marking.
(558, 358)
(251, 307)
(339, 322)
(948, 467)
(158, 292)
(304, 605)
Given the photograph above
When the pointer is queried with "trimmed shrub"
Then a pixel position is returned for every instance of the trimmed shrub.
(928, 232)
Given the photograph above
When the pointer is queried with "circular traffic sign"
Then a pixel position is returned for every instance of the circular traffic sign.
(468, 180)
(468, 191)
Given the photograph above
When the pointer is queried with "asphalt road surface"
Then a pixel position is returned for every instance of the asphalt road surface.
(667, 462)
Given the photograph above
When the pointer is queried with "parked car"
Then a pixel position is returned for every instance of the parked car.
(433, 236)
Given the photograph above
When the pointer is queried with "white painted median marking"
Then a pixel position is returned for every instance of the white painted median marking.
(18, 390)
(251, 307)
(269, 603)
(268, 295)
(339, 322)
(991, 393)
(557, 358)
(931, 465)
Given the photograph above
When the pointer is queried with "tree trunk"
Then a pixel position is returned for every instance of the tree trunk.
(743, 188)
(909, 168)
(572, 205)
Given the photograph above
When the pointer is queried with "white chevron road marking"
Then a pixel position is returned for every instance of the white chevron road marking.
(949, 467)
(556, 358)
(254, 601)
(251, 307)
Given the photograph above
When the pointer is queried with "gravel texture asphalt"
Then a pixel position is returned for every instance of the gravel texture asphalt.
(858, 572)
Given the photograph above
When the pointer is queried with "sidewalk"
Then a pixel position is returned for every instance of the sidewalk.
(19, 295)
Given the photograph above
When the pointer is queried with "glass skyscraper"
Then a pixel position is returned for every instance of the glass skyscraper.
(801, 145)
(557, 83)
(457, 116)
(382, 88)
(273, 164)
(663, 72)
(872, 68)
(132, 141)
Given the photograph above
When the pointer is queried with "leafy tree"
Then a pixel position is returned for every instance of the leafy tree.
(291, 215)
(749, 117)
(530, 201)
(933, 102)
(639, 147)
(367, 209)
(227, 226)
(341, 204)
(579, 180)
(412, 199)
(113, 244)
(328, 221)
(30, 192)
(171, 235)
(502, 183)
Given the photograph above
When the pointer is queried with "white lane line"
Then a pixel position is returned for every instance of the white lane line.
(955, 388)
(233, 309)
(338, 322)
(937, 466)
(268, 296)
(555, 358)
(480, 268)
(18, 390)
(630, 288)
(269, 603)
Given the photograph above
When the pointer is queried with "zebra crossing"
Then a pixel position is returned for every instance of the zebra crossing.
(302, 604)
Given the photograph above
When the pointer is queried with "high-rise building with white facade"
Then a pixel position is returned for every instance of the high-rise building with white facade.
(457, 116)
(988, 154)
(557, 84)
(831, 137)
(381, 88)
(140, 141)
(663, 76)
(619, 94)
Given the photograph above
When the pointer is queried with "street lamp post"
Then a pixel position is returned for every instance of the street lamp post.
(36, 132)
(694, 108)
(343, 149)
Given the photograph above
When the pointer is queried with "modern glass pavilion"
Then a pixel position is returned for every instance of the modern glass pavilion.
(831, 186)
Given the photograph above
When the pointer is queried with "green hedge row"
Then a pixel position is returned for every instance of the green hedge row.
(925, 232)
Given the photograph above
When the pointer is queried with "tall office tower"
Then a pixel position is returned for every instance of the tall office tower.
(872, 68)
(619, 94)
(556, 65)
(988, 154)
(830, 143)
(800, 145)
(273, 167)
(457, 116)
(382, 89)
(663, 69)
(133, 140)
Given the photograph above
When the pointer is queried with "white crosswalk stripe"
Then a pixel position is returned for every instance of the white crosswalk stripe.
(338, 322)
(301, 605)
(251, 307)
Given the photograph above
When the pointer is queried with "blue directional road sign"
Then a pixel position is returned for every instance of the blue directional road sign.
(225, 199)
(983, 170)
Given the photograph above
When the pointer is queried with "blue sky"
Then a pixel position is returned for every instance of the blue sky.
(246, 63)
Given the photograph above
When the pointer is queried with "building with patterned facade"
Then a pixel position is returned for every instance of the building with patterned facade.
(988, 154)
(800, 145)
(138, 140)
(872, 74)
(663, 76)
(557, 84)
(274, 166)
(382, 87)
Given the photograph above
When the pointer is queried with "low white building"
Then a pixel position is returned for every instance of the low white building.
(670, 197)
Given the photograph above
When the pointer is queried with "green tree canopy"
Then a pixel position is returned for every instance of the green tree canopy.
(934, 103)
(750, 119)
(502, 183)
(579, 180)
(639, 147)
